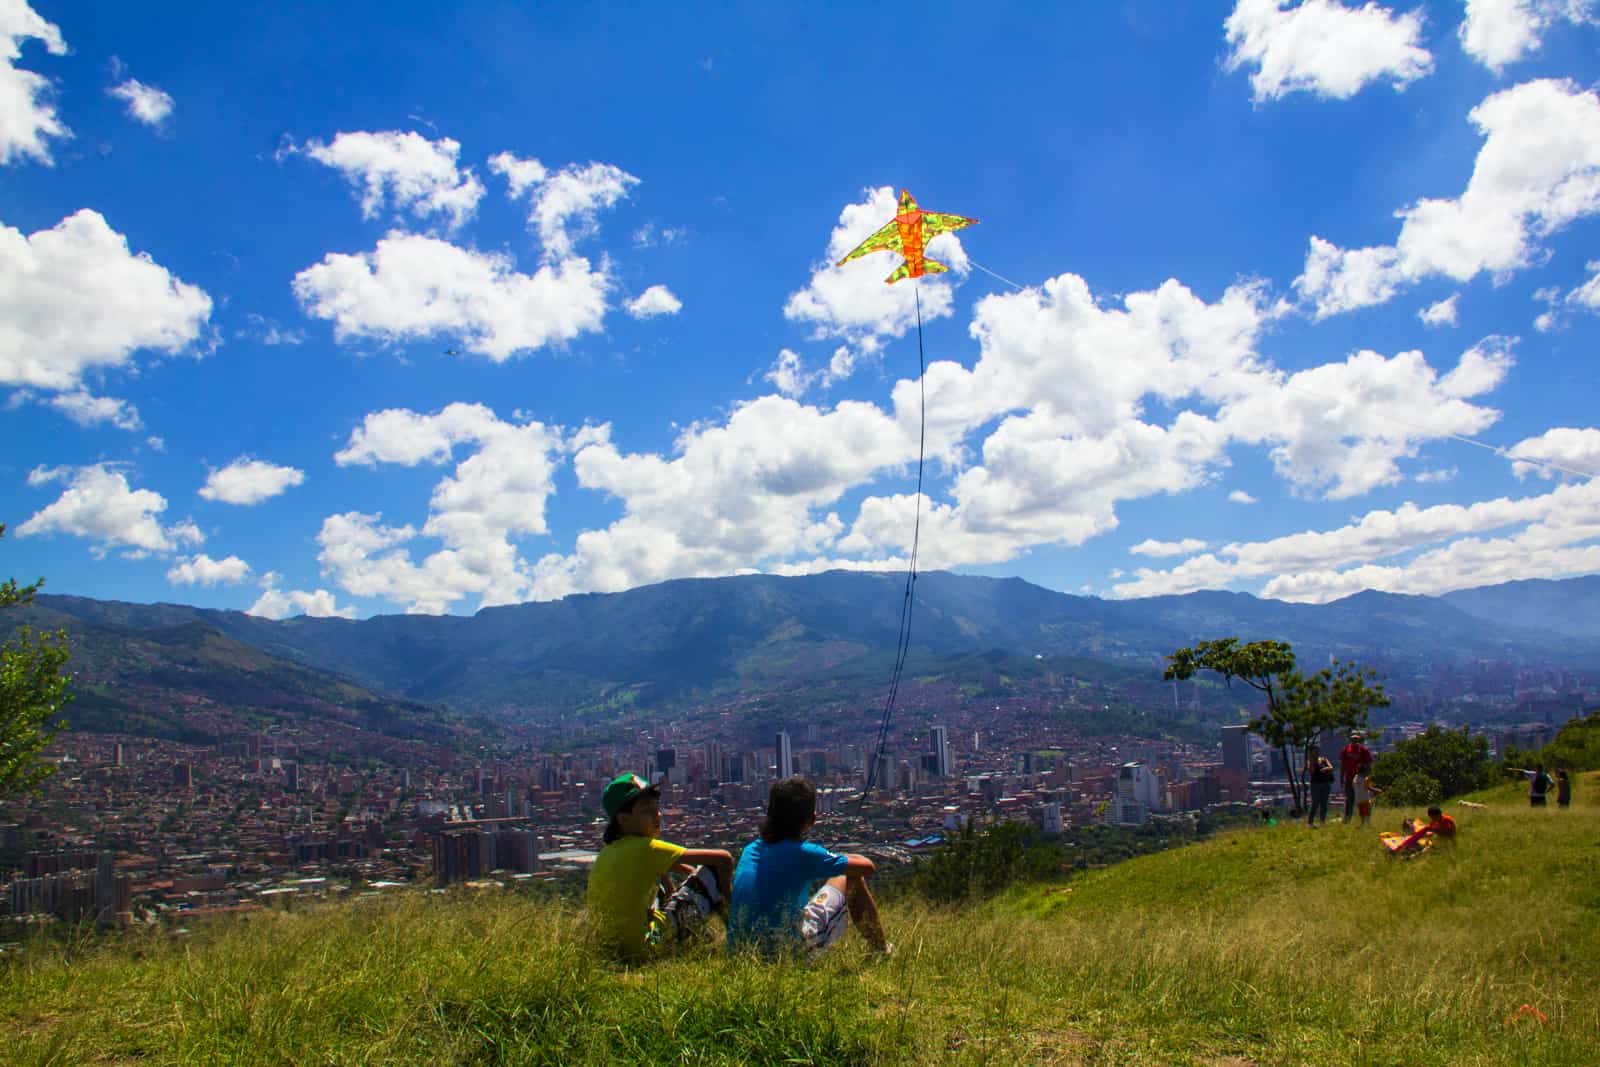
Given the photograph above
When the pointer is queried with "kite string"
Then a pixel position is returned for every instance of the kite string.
(903, 640)
(992, 274)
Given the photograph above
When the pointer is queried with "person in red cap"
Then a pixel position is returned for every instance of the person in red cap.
(634, 909)
(1355, 760)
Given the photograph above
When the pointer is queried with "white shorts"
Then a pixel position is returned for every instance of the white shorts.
(825, 919)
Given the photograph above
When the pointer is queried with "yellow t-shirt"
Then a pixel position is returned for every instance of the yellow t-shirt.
(622, 885)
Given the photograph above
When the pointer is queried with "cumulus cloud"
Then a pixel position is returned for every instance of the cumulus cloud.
(99, 505)
(1500, 32)
(249, 481)
(1537, 172)
(1587, 295)
(74, 297)
(654, 301)
(564, 205)
(1442, 313)
(1341, 428)
(1239, 496)
(87, 410)
(1323, 47)
(851, 303)
(1547, 536)
(1187, 547)
(413, 287)
(1577, 450)
(788, 374)
(27, 115)
(403, 171)
(203, 570)
(495, 496)
(275, 603)
(145, 103)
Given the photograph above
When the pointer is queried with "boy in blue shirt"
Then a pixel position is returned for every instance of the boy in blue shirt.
(774, 907)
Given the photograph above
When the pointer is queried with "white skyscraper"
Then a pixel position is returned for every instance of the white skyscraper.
(785, 755)
(1138, 794)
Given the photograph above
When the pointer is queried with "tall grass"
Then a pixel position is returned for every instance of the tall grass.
(1280, 945)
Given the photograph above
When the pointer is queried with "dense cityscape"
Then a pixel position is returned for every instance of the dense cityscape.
(137, 830)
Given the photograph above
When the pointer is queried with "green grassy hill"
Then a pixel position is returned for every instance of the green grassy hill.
(1269, 946)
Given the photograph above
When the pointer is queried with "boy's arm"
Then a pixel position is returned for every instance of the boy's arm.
(859, 866)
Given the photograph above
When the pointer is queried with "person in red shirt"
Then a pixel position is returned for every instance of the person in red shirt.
(1439, 824)
(1355, 759)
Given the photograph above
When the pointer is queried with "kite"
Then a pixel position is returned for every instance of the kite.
(909, 233)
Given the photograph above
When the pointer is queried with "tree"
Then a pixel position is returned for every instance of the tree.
(1299, 708)
(32, 693)
(1452, 760)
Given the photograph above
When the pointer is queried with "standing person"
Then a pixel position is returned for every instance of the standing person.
(1563, 789)
(1355, 759)
(774, 907)
(1364, 792)
(633, 907)
(1539, 784)
(1320, 774)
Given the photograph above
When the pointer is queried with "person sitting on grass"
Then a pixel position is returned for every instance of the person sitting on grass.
(1439, 825)
(774, 908)
(633, 907)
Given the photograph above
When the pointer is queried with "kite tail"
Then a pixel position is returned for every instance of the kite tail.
(903, 641)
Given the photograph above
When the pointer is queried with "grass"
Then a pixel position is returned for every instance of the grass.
(1277, 945)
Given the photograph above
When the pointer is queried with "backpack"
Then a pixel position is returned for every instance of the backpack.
(1541, 784)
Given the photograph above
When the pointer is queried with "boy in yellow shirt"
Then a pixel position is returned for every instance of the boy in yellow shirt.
(633, 907)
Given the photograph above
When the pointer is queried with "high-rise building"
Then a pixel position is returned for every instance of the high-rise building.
(1138, 794)
(714, 768)
(784, 760)
(666, 759)
(1050, 818)
(1236, 747)
(182, 776)
(116, 755)
(941, 752)
(291, 776)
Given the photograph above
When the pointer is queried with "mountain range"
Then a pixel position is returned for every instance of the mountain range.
(696, 638)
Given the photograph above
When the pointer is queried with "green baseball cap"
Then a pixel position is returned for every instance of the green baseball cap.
(623, 788)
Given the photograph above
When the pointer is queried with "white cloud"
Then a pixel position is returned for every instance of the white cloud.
(1442, 474)
(649, 235)
(74, 297)
(654, 301)
(1587, 295)
(788, 374)
(1187, 547)
(413, 288)
(156, 444)
(563, 205)
(520, 174)
(1537, 172)
(98, 504)
(275, 603)
(1573, 448)
(1239, 496)
(1442, 313)
(749, 492)
(268, 332)
(1499, 32)
(203, 570)
(27, 115)
(494, 497)
(250, 481)
(404, 170)
(1342, 427)
(86, 410)
(1323, 47)
(1321, 565)
(852, 303)
(146, 103)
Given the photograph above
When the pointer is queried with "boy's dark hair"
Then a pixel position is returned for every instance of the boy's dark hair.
(613, 831)
(1435, 811)
(791, 807)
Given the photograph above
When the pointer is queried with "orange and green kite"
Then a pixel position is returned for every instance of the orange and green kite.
(909, 235)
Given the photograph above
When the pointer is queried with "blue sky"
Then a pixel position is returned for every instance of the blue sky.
(371, 308)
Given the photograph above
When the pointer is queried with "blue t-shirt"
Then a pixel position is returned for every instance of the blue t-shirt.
(771, 886)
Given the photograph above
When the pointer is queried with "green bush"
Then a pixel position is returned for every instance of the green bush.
(1455, 761)
(1412, 789)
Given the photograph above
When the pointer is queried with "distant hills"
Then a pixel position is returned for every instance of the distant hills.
(696, 638)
